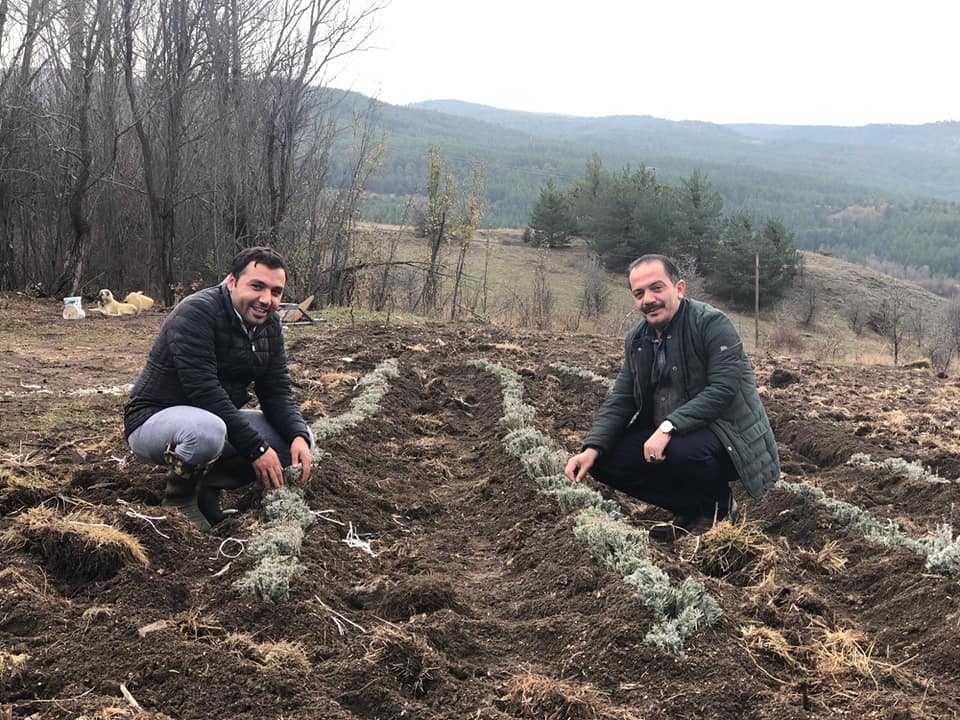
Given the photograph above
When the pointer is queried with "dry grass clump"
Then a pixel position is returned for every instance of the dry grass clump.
(772, 643)
(844, 652)
(312, 408)
(830, 557)
(24, 580)
(408, 657)
(194, 626)
(78, 545)
(12, 664)
(113, 711)
(728, 548)
(329, 379)
(785, 339)
(93, 615)
(543, 698)
(25, 483)
(281, 655)
(835, 653)
(426, 423)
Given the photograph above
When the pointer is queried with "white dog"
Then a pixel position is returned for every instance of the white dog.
(109, 306)
(140, 301)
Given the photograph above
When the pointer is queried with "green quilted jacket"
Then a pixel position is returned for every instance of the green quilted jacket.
(717, 382)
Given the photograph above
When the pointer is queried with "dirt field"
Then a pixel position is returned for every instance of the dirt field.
(477, 601)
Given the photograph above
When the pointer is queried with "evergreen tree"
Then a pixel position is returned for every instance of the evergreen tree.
(701, 218)
(732, 275)
(552, 220)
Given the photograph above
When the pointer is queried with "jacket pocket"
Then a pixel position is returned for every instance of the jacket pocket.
(752, 432)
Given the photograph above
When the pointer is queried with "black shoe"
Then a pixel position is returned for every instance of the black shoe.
(230, 474)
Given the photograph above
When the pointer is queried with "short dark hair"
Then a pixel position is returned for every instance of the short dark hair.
(669, 266)
(260, 255)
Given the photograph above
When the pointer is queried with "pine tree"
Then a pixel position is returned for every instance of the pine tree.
(552, 221)
(732, 275)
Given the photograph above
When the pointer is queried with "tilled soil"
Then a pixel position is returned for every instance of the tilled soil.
(474, 582)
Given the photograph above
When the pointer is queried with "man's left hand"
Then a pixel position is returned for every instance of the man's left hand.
(655, 447)
(300, 453)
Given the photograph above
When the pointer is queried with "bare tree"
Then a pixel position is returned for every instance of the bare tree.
(222, 134)
(808, 304)
(472, 212)
(945, 340)
(890, 321)
(595, 293)
(857, 318)
(87, 27)
(541, 296)
(441, 192)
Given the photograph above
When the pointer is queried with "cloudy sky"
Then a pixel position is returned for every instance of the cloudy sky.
(816, 62)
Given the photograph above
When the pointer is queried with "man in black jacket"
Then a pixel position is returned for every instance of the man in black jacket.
(684, 417)
(185, 409)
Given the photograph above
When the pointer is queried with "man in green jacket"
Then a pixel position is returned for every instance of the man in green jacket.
(684, 418)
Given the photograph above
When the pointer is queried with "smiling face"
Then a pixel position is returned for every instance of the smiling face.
(655, 296)
(256, 291)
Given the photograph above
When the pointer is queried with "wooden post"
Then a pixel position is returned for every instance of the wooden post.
(756, 305)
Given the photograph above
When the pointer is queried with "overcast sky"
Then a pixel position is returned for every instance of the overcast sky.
(815, 62)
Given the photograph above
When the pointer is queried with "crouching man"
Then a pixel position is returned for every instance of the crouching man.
(185, 409)
(684, 418)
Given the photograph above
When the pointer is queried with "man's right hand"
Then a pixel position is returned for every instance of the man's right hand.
(269, 470)
(579, 464)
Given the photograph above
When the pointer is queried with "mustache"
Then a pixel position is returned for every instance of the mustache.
(651, 307)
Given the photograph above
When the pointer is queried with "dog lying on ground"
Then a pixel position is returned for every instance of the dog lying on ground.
(109, 306)
(140, 301)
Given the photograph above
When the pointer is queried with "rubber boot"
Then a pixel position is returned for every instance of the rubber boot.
(181, 489)
(230, 474)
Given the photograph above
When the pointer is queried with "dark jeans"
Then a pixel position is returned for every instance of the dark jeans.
(692, 480)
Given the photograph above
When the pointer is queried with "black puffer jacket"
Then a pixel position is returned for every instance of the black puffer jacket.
(204, 357)
(717, 382)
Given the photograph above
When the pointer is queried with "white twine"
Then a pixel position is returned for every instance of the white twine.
(353, 540)
(149, 518)
(220, 551)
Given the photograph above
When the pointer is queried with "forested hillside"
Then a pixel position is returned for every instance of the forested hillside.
(879, 190)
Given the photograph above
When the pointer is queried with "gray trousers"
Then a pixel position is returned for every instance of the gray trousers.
(198, 436)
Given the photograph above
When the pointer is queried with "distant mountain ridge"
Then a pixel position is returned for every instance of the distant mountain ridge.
(806, 175)
(853, 153)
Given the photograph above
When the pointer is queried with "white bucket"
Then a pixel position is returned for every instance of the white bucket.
(73, 309)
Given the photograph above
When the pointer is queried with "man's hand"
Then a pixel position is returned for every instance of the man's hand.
(300, 453)
(269, 470)
(579, 464)
(655, 447)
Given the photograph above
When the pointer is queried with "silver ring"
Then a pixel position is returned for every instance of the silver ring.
(652, 456)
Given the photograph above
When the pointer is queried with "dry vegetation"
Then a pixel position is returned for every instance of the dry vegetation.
(825, 315)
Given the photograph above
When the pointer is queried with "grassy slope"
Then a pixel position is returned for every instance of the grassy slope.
(838, 285)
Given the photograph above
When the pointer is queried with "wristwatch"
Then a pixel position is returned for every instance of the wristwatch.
(259, 450)
(667, 427)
